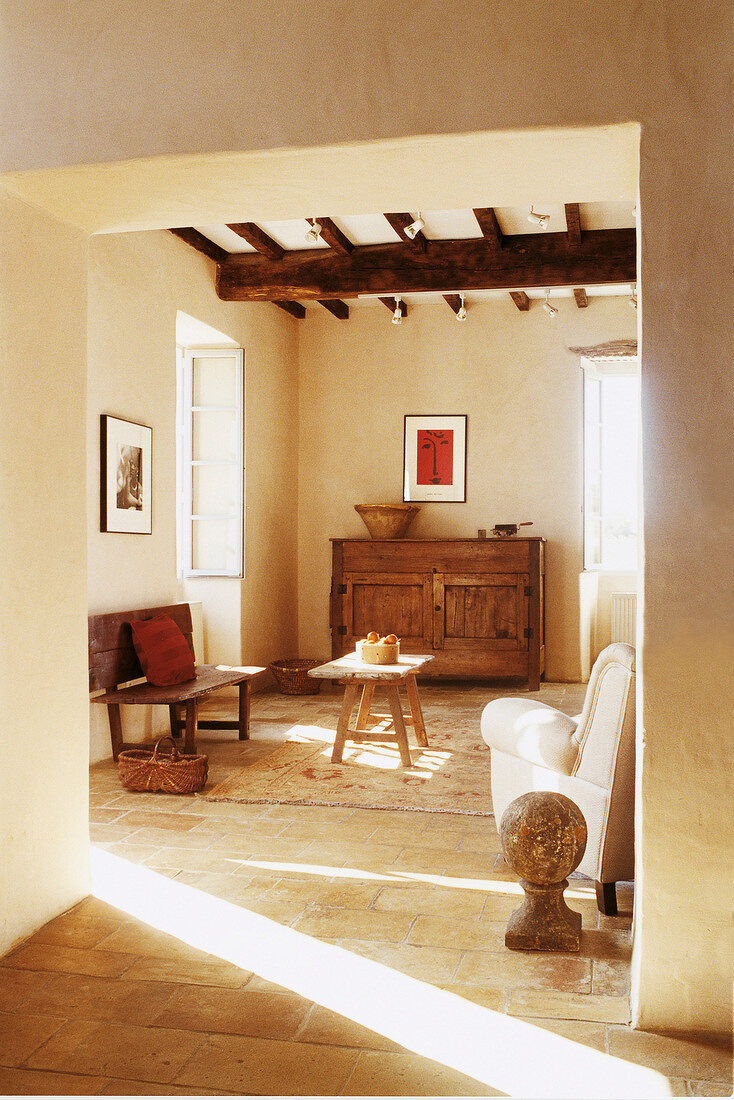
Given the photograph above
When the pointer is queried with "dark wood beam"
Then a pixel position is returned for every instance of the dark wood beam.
(573, 224)
(398, 223)
(581, 300)
(527, 260)
(390, 303)
(201, 243)
(258, 238)
(454, 301)
(521, 300)
(334, 237)
(334, 305)
(294, 308)
(489, 226)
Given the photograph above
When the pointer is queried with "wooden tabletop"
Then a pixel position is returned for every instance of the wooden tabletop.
(351, 668)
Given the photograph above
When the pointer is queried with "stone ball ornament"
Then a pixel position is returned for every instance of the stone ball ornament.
(543, 836)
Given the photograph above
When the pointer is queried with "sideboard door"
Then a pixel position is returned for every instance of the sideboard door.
(480, 615)
(390, 603)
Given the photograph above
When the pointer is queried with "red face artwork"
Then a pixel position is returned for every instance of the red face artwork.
(435, 460)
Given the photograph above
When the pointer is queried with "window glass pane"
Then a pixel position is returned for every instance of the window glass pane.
(619, 472)
(214, 380)
(215, 489)
(215, 545)
(214, 437)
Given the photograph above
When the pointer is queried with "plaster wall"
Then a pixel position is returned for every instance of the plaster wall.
(522, 390)
(131, 85)
(137, 282)
(43, 677)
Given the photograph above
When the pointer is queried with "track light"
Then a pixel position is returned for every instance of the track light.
(397, 317)
(549, 309)
(540, 220)
(461, 311)
(314, 232)
(632, 300)
(415, 227)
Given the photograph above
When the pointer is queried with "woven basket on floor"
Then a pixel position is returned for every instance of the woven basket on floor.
(152, 770)
(293, 678)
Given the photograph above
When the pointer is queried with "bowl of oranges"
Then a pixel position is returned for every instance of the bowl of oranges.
(376, 650)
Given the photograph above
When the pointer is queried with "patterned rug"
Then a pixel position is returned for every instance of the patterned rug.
(450, 776)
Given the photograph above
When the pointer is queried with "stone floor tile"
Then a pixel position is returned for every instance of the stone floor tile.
(187, 972)
(22, 1032)
(110, 833)
(254, 1012)
(103, 815)
(607, 943)
(77, 996)
(675, 1056)
(187, 859)
(344, 832)
(385, 1074)
(138, 938)
(133, 853)
(342, 894)
(354, 924)
(37, 1082)
(52, 957)
(708, 1088)
(446, 840)
(117, 1050)
(526, 970)
(268, 1067)
(16, 986)
(493, 998)
(465, 935)
(433, 900)
(610, 977)
(429, 964)
(78, 929)
(159, 838)
(587, 1033)
(170, 822)
(559, 1005)
(324, 1026)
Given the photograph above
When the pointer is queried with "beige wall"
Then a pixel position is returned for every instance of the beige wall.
(43, 676)
(512, 374)
(137, 282)
(667, 67)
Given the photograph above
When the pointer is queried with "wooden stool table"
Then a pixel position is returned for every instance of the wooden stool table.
(356, 674)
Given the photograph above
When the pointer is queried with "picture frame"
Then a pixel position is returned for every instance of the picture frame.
(126, 451)
(434, 458)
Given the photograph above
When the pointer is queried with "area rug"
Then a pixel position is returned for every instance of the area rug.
(451, 776)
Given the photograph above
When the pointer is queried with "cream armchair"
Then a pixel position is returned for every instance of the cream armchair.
(590, 758)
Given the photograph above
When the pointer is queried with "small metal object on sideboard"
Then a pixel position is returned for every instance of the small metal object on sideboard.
(507, 530)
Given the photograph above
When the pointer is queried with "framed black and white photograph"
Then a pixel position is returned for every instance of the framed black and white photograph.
(125, 483)
(434, 458)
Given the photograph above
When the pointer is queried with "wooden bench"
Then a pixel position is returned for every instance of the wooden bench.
(113, 661)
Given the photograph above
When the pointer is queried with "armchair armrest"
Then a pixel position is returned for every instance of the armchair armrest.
(531, 731)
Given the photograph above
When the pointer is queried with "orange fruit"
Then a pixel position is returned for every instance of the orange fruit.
(391, 639)
(373, 637)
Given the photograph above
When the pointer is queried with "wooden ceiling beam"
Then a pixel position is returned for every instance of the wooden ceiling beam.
(258, 238)
(581, 299)
(334, 305)
(201, 243)
(294, 308)
(573, 224)
(399, 222)
(527, 260)
(390, 303)
(487, 220)
(521, 300)
(334, 237)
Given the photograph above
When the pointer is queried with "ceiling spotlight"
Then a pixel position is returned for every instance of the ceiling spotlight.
(314, 232)
(397, 317)
(549, 309)
(541, 220)
(415, 227)
(632, 300)
(461, 311)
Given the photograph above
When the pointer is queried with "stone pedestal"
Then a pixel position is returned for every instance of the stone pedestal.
(543, 837)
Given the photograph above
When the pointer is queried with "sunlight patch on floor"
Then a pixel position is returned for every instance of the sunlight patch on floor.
(501, 1051)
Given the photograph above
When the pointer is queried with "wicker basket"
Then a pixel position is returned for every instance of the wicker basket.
(293, 678)
(172, 773)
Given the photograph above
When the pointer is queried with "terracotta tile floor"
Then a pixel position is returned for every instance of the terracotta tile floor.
(403, 913)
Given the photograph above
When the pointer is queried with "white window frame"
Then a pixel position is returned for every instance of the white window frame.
(593, 371)
(186, 413)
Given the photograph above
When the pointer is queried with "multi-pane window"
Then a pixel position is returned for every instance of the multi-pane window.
(611, 415)
(212, 467)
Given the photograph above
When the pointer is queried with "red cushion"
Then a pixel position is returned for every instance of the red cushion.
(163, 651)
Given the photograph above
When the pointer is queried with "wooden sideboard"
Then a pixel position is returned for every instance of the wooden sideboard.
(476, 605)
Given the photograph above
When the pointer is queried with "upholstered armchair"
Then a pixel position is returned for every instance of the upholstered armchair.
(590, 758)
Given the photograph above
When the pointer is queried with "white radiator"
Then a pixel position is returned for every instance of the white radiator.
(624, 617)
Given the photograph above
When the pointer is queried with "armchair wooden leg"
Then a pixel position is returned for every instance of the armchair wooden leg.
(606, 898)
